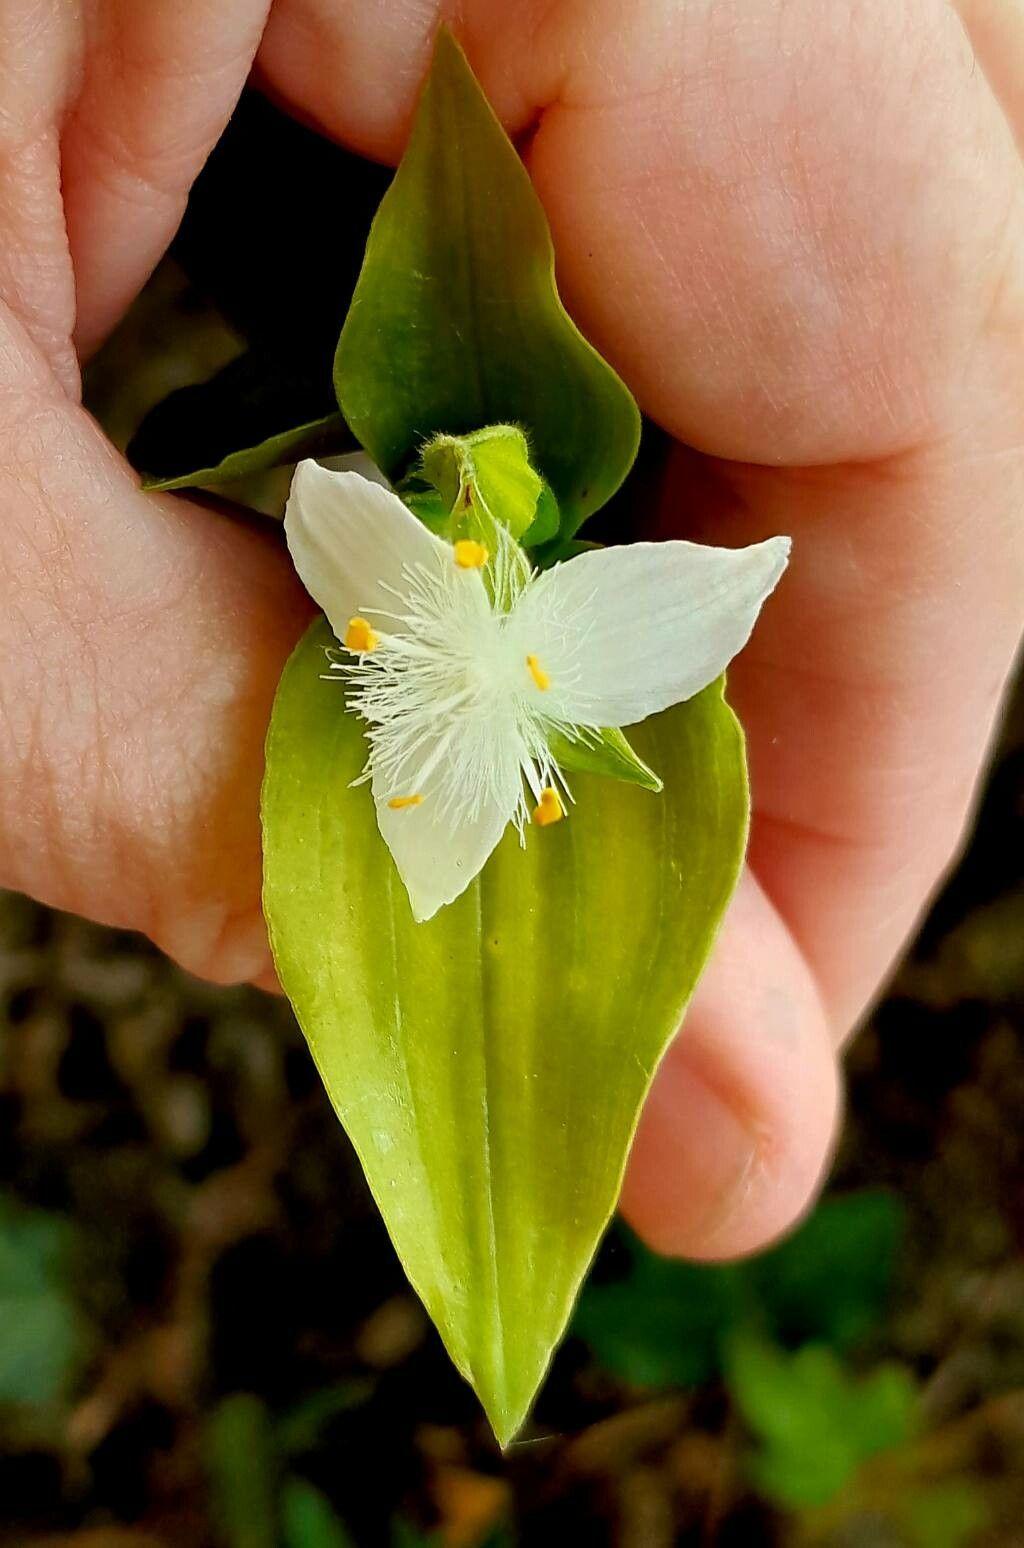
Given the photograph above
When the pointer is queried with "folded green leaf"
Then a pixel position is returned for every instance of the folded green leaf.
(322, 438)
(489, 1065)
(456, 322)
(610, 754)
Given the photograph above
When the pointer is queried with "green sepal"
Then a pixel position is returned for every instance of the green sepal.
(456, 321)
(604, 752)
(488, 471)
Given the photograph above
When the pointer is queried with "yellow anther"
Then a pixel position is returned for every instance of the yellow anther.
(470, 555)
(359, 637)
(538, 674)
(549, 809)
(399, 803)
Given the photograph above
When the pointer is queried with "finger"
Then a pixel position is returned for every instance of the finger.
(871, 687)
(38, 64)
(996, 31)
(157, 84)
(141, 640)
(739, 1125)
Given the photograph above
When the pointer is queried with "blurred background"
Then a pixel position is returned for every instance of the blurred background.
(205, 1337)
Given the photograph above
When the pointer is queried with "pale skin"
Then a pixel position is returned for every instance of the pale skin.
(797, 229)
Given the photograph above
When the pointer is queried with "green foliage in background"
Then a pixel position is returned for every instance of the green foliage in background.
(42, 1341)
(815, 1422)
(260, 1500)
(308, 1519)
(945, 1515)
(666, 1323)
(829, 1439)
(244, 1470)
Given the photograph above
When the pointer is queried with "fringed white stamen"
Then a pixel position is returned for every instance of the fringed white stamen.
(450, 707)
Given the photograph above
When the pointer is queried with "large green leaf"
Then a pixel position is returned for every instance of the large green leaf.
(489, 1065)
(456, 322)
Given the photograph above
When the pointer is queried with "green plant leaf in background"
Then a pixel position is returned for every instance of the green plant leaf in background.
(252, 402)
(489, 1065)
(41, 1336)
(814, 1422)
(324, 437)
(243, 1469)
(832, 1278)
(661, 1323)
(456, 323)
(308, 1519)
(665, 1323)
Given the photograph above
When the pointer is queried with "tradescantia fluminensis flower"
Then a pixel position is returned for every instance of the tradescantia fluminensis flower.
(465, 664)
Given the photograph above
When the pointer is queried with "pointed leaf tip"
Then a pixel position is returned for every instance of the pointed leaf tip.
(456, 321)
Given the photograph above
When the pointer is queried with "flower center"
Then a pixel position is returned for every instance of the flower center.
(452, 719)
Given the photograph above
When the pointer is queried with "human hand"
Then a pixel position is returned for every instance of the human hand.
(798, 232)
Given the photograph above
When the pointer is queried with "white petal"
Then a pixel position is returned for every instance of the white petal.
(350, 539)
(437, 859)
(625, 632)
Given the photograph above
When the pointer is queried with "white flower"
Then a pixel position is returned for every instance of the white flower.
(461, 663)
